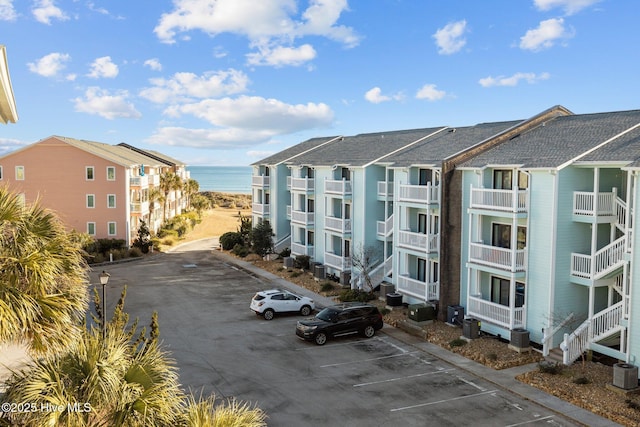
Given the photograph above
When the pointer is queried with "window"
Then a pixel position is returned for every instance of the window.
(89, 173)
(422, 270)
(111, 173)
(422, 223)
(502, 236)
(502, 179)
(347, 249)
(310, 238)
(111, 200)
(311, 205)
(91, 228)
(424, 176)
(19, 173)
(91, 201)
(500, 292)
(435, 272)
(346, 174)
(111, 227)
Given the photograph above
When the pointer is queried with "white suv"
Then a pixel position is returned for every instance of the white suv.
(267, 303)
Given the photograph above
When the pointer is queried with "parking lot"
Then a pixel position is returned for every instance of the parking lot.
(221, 347)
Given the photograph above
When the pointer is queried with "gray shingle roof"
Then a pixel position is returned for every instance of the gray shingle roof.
(115, 153)
(558, 141)
(436, 148)
(361, 149)
(293, 151)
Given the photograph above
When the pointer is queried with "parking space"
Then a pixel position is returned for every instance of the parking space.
(222, 347)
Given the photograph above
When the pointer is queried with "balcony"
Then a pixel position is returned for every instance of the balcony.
(154, 180)
(337, 261)
(424, 290)
(497, 314)
(141, 208)
(304, 218)
(493, 256)
(423, 194)
(260, 181)
(499, 200)
(429, 243)
(301, 249)
(305, 185)
(260, 209)
(289, 212)
(385, 228)
(385, 190)
(339, 225)
(605, 261)
(340, 188)
(139, 181)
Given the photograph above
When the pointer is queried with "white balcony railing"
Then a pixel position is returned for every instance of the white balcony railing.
(499, 200)
(584, 203)
(337, 261)
(424, 194)
(604, 261)
(385, 189)
(154, 179)
(301, 184)
(424, 290)
(342, 187)
(301, 249)
(385, 228)
(429, 243)
(507, 259)
(260, 180)
(140, 207)
(337, 224)
(289, 212)
(260, 209)
(305, 218)
(498, 314)
(139, 181)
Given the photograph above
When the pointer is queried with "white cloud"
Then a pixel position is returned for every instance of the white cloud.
(188, 86)
(258, 154)
(570, 6)
(375, 96)
(430, 93)
(450, 39)
(45, 10)
(7, 12)
(281, 55)
(207, 138)
(545, 36)
(154, 64)
(513, 80)
(8, 145)
(49, 65)
(103, 67)
(100, 102)
(265, 23)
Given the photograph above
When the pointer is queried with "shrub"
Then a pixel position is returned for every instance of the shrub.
(326, 287)
(285, 253)
(295, 273)
(302, 261)
(492, 356)
(167, 232)
(240, 250)
(384, 311)
(458, 342)
(168, 242)
(631, 404)
(581, 380)
(135, 252)
(355, 295)
(261, 237)
(550, 368)
(230, 239)
(98, 258)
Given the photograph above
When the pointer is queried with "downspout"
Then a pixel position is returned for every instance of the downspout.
(552, 269)
(526, 252)
(594, 244)
(631, 269)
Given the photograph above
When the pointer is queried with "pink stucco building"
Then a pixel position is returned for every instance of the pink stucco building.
(100, 189)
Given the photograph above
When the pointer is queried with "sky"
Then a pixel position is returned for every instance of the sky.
(229, 82)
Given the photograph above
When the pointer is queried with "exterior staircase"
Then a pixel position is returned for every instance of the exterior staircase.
(379, 273)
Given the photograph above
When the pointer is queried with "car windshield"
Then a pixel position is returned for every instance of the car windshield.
(328, 314)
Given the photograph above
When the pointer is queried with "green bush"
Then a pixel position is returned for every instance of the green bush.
(97, 259)
(295, 273)
(230, 239)
(581, 380)
(458, 342)
(168, 242)
(550, 368)
(384, 311)
(285, 253)
(302, 261)
(355, 295)
(240, 250)
(326, 287)
(135, 252)
(167, 232)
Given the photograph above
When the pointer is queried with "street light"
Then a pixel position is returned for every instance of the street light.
(104, 279)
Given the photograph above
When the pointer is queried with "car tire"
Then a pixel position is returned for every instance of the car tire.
(268, 314)
(369, 331)
(320, 338)
(305, 310)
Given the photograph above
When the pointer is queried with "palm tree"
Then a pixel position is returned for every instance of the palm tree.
(205, 413)
(155, 195)
(43, 278)
(191, 187)
(169, 182)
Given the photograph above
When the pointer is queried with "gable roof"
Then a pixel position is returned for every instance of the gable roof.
(160, 157)
(296, 150)
(559, 140)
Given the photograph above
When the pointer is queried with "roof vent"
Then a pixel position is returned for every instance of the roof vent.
(514, 137)
(452, 130)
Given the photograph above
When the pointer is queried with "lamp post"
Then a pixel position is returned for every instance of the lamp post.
(104, 279)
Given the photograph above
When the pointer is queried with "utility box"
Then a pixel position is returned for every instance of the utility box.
(519, 338)
(345, 278)
(319, 271)
(625, 376)
(471, 328)
(394, 299)
(287, 262)
(455, 314)
(421, 312)
(386, 288)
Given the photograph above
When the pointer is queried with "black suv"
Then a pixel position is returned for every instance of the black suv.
(341, 319)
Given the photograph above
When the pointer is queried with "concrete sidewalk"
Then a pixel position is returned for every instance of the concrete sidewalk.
(504, 378)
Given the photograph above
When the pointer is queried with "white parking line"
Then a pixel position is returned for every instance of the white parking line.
(402, 378)
(471, 383)
(441, 401)
(367, 360)
(531, 421)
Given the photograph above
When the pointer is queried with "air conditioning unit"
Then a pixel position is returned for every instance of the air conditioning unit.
(625, 376)
(287, 262)
(520, 339)
(455, 314)
(471, 328)
(319, 271)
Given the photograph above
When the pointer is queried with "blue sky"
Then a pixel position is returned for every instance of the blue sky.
(228, 82)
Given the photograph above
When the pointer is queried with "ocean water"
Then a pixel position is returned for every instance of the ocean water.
(226, 179)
